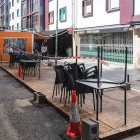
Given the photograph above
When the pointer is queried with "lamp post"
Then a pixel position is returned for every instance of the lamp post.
(56, 38)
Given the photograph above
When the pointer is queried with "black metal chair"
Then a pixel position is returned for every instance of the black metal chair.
(29, 67)
(15, 58)
(82, 72)
(59, 80)
(78, 71)
(80, 90)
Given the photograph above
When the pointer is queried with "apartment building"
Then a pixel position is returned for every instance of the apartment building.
(15, 14)
(33, 15)
(4, 14)
(113, 24)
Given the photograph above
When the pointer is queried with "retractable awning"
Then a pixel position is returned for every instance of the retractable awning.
(135, 24)
(52, 33)
(104, 29)
(40, 35)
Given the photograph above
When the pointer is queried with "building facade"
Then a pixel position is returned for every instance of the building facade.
(130, 13)
(102, 27)
(96, 26)
(15, 14)
(4, 21)
(33, 15)
(112, 24)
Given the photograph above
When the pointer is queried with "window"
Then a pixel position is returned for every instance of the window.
(63, 14)
(24, 9)
(17, 1)
(12, 2)
(51, 17)
(17, 26)
(12, 15)
(17, 12)
(112, 5)
(87, 8)
(34, 21)
(24, 23)
(136, 7)
(10, 5)
(12, 27)
(35, 18)
(35, 5)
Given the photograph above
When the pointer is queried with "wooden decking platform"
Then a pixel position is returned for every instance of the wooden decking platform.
(111, 119)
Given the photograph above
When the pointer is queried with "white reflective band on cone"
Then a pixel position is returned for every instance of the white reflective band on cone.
(75, 113)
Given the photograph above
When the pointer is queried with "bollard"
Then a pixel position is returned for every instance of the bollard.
(90, 129)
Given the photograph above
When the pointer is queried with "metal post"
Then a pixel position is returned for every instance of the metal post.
(125, 73)
(101, 59)
(56, 38)
(98, 65)
(73, 27)
(1, 58)
(125, 106)
(97, 104)
(33, 41)
(76, 61)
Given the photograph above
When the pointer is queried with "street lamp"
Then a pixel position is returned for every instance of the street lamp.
(56, 38)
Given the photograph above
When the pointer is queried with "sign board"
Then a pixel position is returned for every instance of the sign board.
(70, 30)
(137, 27)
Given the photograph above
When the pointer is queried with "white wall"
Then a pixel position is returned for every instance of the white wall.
(16, 19)
(100, 16)
(136, 48)
(61, 4)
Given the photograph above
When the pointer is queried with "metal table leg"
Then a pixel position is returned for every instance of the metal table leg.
(125, 106)
(97, 95)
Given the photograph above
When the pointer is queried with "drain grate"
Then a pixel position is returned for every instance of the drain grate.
(17, 85)
(5, 75)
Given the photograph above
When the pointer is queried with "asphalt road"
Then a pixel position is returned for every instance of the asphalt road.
(21, 120)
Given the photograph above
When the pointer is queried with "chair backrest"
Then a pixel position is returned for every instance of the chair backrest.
(70, 77)
(75, 66)
(81, 71)
(59, 69)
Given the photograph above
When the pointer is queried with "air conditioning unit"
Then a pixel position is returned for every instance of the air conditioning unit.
(90, 129)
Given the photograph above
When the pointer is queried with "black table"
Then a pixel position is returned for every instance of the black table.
(104, 84)
(29, 64)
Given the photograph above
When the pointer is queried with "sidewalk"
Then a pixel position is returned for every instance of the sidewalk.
(111, 119)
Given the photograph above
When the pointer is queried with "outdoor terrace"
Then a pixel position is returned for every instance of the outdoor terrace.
(111, 119)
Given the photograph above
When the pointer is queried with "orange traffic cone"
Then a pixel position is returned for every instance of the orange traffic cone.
(74, 128)
(20, 74)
